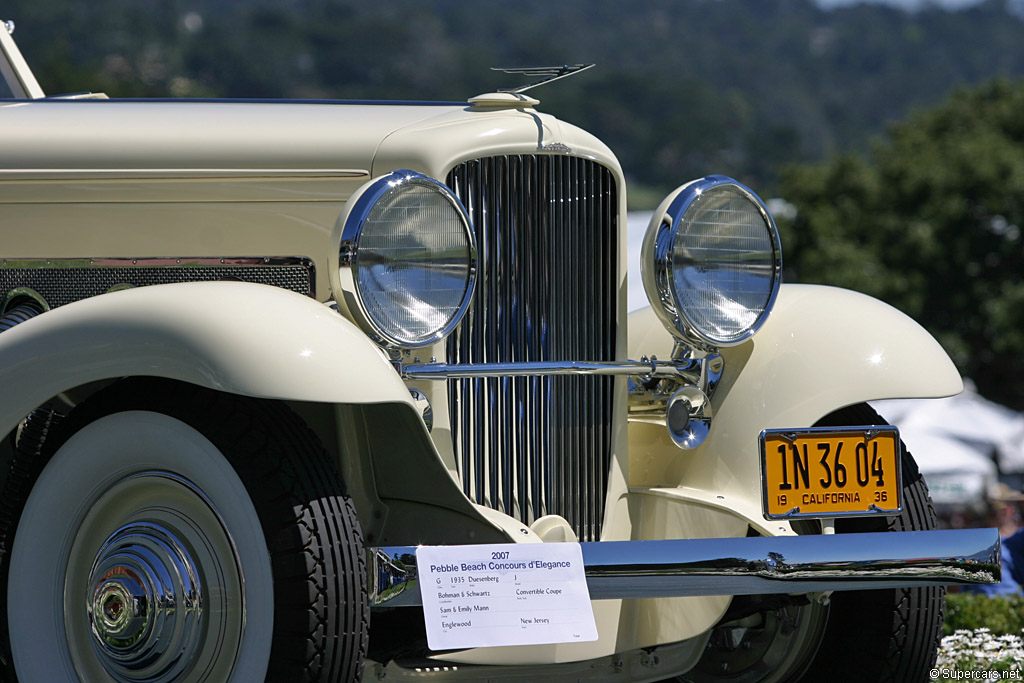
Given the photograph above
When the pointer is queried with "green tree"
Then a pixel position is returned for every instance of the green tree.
(683, 88)
(930, 222)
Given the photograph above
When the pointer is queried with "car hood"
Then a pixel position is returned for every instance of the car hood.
(47, 139)
(128, 135)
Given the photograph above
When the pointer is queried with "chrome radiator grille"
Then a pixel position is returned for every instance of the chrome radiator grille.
(546, 231)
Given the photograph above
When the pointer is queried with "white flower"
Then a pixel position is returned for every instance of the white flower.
(980, 651)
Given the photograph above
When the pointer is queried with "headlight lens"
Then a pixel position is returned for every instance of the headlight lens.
(711, 262)
(407, 259)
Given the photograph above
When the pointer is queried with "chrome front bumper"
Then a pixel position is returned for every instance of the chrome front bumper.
(745, 566)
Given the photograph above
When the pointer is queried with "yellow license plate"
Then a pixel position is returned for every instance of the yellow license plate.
(830, 472)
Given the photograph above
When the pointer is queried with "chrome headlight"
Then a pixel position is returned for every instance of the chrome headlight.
(407, 263)
(711, 262)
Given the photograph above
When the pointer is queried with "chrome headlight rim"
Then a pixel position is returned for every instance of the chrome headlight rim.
(347, 287)
(658, 263)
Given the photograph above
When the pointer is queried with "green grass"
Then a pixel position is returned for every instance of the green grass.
(1001, 615)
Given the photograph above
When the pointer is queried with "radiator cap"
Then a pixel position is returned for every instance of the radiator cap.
(503, 100)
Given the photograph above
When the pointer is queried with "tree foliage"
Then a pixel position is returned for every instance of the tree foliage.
(930, 222)
(682, 88)
(1001, 614)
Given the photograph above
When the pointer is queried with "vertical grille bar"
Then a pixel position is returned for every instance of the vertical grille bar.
(546, 230)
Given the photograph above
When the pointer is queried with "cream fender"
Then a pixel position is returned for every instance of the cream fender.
(823, 348)
(241, 338)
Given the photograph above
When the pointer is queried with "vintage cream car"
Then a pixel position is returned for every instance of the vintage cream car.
(257, 355)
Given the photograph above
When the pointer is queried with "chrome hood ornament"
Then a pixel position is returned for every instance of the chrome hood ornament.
(543, 74)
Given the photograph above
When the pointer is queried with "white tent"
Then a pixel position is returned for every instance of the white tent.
(636, 226)
(988, 428)
(957, 474)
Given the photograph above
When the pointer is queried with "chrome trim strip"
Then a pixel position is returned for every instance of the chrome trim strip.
(687, 372)
(156, 262)
(747, 566)
(181, 101)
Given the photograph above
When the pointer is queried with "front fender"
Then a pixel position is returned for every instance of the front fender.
(823, 348)
(236, 337)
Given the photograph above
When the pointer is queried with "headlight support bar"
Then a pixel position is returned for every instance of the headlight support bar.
(676, 392)
(645, 369)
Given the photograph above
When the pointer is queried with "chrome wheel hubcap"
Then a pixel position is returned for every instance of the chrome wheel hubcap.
(146, 611)
(160, 596)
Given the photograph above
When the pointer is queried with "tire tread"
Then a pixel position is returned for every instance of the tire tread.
(890, 634)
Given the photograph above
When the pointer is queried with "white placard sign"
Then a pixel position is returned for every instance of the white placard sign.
(508, 594)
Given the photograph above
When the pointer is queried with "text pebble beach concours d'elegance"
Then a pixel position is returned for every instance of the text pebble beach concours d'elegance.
(500, 566)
